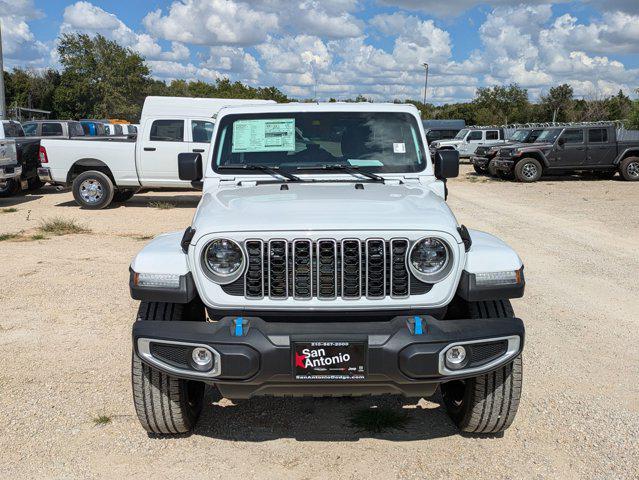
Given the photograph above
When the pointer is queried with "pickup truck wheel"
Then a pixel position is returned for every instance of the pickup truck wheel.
(486, 404)
(629, 169)
(9, 187)
(528, 170)
(123, 195)
(164, 404)
(93, 190)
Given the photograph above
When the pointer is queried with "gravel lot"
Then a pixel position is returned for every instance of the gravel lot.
(65, 353)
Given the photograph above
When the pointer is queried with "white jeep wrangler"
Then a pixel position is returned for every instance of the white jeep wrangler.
(324, 260)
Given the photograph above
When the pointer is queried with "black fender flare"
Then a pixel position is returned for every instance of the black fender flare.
(89, 162)
(628, 152)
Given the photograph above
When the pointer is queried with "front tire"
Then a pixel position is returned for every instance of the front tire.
(479, 170)
(492, 171)
(629, 169)
(486, 404)
(528, 170)
(164, 404)
(93, 190)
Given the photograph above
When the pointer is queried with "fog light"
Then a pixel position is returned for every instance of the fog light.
(456, 357)
(202, 358)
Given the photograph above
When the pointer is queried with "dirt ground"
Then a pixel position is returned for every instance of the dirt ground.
(65, 323)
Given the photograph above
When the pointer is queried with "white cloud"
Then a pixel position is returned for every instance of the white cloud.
(234, 60)
(18, 41)
(168, 70)
(84, 17)
(218, 22)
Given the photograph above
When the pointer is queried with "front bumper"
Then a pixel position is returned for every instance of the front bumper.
(504, 165)
(256, 357)
(481, 162)
(7, 173)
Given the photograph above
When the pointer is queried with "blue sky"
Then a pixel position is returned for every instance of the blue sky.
(349, 47)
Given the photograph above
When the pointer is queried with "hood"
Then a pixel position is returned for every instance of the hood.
(440, 143)
(323, 206)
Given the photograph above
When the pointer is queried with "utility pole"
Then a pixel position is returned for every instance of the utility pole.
(3, 106)
(425, 65)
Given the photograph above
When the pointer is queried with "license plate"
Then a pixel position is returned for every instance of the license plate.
(329, 361)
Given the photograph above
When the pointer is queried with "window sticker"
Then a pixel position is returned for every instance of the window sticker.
(270, 135)
(365, 163)
(399, 148)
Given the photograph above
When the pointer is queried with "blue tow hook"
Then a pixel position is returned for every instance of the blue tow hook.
(239, 321)
(419, 330)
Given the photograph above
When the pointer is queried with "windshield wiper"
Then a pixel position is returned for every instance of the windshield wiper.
(345, 168)
(262, 168)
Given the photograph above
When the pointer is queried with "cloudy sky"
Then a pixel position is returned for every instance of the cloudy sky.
(350, 47)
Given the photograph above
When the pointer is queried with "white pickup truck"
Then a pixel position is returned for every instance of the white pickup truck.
(105, 170)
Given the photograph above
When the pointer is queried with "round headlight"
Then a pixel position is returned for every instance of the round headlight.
(429, 258)
(224, 258)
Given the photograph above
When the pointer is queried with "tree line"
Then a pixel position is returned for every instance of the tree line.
(101, 79)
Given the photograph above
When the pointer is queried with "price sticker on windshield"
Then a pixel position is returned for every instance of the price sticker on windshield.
(268, 135)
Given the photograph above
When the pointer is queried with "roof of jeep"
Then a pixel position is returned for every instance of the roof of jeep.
(321, 107)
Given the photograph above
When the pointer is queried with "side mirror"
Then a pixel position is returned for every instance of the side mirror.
(190, 166)
(561, 142)
(446, 164)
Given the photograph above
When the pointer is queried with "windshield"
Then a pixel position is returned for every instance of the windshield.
(549, 136)
(519, 135)
(374, 141)
(461, 134)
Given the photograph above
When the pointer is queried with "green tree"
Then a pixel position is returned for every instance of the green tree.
(502, 104)
(557, 105)
(99, 79)
(618, 106)
(31, 88)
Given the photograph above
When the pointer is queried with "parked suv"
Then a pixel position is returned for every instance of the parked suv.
(484, 154)
(323, 260)
(468, 139)
(578, 148)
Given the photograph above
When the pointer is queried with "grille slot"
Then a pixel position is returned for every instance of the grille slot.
(278, 269)
(375, 268)
(351, 269)
(303, 269)
(254, 276)
(399, 275)
(326, 269)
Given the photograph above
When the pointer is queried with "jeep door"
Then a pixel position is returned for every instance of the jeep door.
(472, 141)
(570, 149)
(162, 140)
(602, 148)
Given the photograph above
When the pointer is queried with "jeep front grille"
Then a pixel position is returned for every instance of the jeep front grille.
(327, 269)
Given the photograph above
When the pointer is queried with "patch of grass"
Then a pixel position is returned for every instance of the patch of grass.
(8, 236)
(162, 205)
(378, 420)
(102, 420)
(9, 210)
(60, 226)
(38, 236)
